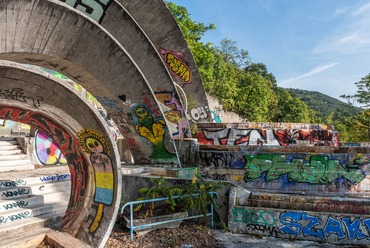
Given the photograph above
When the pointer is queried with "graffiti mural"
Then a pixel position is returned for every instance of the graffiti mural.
(46, 150)
(95, 145)
(313, 169)
(343, 228)
(153, 130)
(69, 146)
(346, 229)
(92, 8)
(269, 137)
(174, 113)
(177, 66)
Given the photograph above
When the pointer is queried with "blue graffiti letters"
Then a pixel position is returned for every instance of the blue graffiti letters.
(353, 229)
(292, 228)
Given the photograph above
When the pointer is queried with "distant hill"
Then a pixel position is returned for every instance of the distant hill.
(321, 103)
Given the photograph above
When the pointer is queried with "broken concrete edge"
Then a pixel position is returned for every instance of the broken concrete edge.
(54, 238)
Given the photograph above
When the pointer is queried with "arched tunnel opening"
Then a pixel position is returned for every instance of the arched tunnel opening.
(33, 97)
(100, 46)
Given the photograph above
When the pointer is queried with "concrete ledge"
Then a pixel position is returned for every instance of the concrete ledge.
(295, 224)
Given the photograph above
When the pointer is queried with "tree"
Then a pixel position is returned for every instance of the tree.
(242, 86)
(357, 124)
(291, 109)
(261, 69)
(193, 31)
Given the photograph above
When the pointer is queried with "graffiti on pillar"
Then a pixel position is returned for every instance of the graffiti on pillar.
(153, 130)
(94, 9)
(174, 113)
(313, 169)
(177, 66)
(69, 146)
(269, 137)
(46, 151)
(95, 145)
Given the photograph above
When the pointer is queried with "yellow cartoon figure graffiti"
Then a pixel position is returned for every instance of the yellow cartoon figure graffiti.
(153, 130)
(95, 145)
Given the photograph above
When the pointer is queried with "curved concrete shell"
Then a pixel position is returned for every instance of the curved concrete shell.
(53, 106)
(119, 23)
(160, 26)
(51, 34)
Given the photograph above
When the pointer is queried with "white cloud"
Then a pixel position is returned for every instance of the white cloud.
(362, 9)
(340, 11)
(316, 70)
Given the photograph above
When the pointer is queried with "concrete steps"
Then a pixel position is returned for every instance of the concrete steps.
(12, 157)
(31, 200)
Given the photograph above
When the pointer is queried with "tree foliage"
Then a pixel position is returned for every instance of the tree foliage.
(229, 74)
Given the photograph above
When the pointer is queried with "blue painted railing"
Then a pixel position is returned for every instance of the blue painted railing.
(132, 227)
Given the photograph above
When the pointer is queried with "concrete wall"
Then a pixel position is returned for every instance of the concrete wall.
(49, 105)
(109, 73)
(266, 134)
(295, 224)
(159, 25)
(221, 115)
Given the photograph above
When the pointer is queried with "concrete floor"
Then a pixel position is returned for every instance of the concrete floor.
(245, 241)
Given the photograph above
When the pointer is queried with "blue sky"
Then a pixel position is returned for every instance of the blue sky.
(319, 45)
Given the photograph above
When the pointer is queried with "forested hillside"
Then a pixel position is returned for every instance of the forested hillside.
(322, 104)
(250, 90)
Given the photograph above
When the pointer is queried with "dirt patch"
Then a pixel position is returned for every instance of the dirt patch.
(188, 233)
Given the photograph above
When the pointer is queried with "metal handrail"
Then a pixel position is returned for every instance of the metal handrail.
(132, 228)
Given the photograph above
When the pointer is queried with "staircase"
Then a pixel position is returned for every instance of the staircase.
(31, 200)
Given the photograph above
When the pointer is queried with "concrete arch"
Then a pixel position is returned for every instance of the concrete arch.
(30, 96)
(119, 23)
(39, 32)
(156, 20)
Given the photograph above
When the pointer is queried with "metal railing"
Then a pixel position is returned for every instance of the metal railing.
(132, 227)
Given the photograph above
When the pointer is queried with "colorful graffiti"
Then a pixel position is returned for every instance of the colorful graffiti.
(174, 113)
(153, 130)
(177, 66)
(216, 117)
(343, 228)
(69, 146)
(46, 150)
(269, 137)
(92, 8)
(313, 169)
(95, 145)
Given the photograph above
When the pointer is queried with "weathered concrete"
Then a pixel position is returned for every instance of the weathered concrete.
(159, 25)
(48, 104)
(266, 134)
(297, 224)
(119, 23)
(108, 73)
(219, 114)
